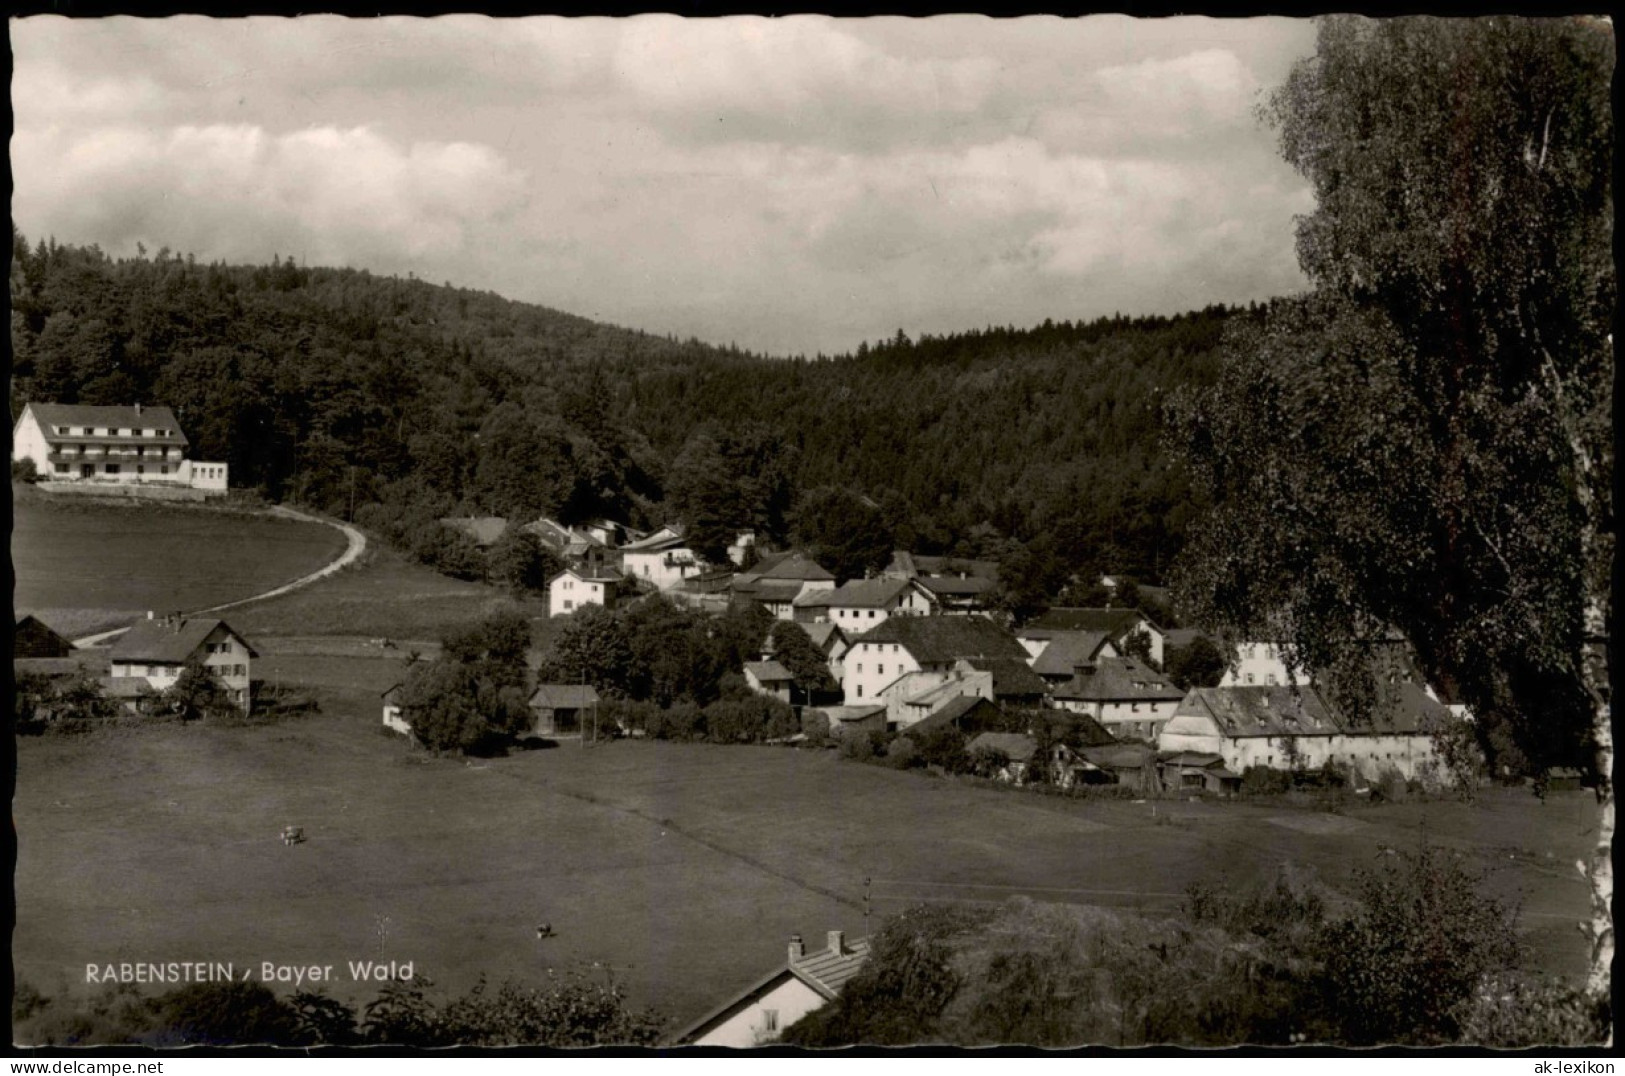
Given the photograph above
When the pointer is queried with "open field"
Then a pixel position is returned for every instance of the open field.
(87, 565)
(384, 596)
(681, 869)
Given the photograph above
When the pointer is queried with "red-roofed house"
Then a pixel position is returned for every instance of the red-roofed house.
(758, 1014)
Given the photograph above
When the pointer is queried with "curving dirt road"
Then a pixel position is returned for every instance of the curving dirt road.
(355, 545)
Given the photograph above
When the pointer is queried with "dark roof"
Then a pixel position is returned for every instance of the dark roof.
(945, 638)
(775, 590)
(485, 530)
(953, 587)
(1088, 731)
(51, 415)
(852, 713)
(1011, 676)
(667, 537)
(952, 712)
(826, 971)
(1114, 622)
(1067, 650)
(823, 634)
(1400, 709)
(564, 696)
(33, 638)
(792, 564)
(768, 672)
(1015, 746)
(916, 564)
(867, 593)
(1199, 759)
(170, 641)
(591, 573)
(1120, 679)
(1119, 756)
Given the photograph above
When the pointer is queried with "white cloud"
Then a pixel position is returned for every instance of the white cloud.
(237, 190)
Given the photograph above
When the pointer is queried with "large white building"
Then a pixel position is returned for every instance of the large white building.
(1282, 727)
(152, 654)
(85, 443)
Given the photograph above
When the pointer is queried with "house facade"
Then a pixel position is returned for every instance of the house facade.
(862, 604)
(952, 584)
(135, 445)
(769, 678)
(559, 709)
(777, 580)
(663, 559)
(580, 586)
(155, 651)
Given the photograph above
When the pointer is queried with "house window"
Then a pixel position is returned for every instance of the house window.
(1269, 679)
(140, 469)
(1249, 678)
(110, 468)
(61, 468)
(568, 605)
(164, 469)
(871, 614)
(770, 1019)
(860, 691)
(880, 670)
(860, 666)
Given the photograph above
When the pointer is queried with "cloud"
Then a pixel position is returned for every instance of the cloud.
(343, 196)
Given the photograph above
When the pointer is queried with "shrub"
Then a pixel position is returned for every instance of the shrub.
(1265, 781)
(23, 471)
(943, 746)
(901, 754)
(1509, 1011)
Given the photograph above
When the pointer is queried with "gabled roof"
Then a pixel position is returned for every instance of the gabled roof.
(919, 565)
(826, 971)
(1119, 756)
(564, 696)
(775, 590)
(1120, 680)
(169, 641)
(1015, 746)
(953, 712)
(1114, 622)
(1264, 711)
(667, 537)
(1011, 676)
(824, 634)
(792, 564)
(867, 593)
(51, 415)
(1067, 650)
(851, 713)
(590, 573)
(945, 638)
(769, 672)
(951, 587)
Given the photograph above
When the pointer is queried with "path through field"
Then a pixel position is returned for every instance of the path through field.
(355, 545)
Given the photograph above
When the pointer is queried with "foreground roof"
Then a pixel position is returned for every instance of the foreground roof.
(865, 593)
(768, 672)
(945, 638)
(169, 641)
(1400, 709)
(1011, 676)
(1015, 746)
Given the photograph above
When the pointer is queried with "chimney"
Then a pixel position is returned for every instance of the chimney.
(149, 614)
(837, 942)
(797, 950)
(138, 409)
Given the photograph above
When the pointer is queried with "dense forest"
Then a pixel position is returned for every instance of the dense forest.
(339, 389)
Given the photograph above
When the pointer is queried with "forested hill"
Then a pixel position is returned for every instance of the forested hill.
(451, 400)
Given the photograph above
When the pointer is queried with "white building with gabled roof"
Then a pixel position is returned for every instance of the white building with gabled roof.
(115, 445)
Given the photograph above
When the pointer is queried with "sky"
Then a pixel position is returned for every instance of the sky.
(792, 186)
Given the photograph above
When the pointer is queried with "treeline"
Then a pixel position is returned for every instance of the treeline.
(569, 1011)
(1420, 957)
(340, 389)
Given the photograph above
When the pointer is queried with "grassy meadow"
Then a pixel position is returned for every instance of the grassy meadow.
(680, 870)
(84, 566)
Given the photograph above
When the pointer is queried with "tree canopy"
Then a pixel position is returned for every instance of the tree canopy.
(1423, 443)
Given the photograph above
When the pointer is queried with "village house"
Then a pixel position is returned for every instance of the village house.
(832, 642)
(860, 604)
(955, 584)
(569, 544)
(1116, 624)
(1007, 681)
(1009, 756)
(847, 722)
(1286, 728)
(969, 714)
(902, 645)
(586, 584)
(394, 719)
(662, 560)
(770, 678)
(125, 446)
(758, 1014)
(1059, 655)
(1267, 663)
(32, 638)
(777, 580)
(1132, 700)
(154, 651)
(560, 709)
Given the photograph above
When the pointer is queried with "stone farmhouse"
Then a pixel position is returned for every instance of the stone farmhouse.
(83, 445)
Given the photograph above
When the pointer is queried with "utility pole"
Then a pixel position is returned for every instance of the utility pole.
(866, 907)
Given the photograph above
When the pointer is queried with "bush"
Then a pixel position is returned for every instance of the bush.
(1265, 781)
(1509, 1011)
(943, 746)
(23, 471)
(901, 754)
